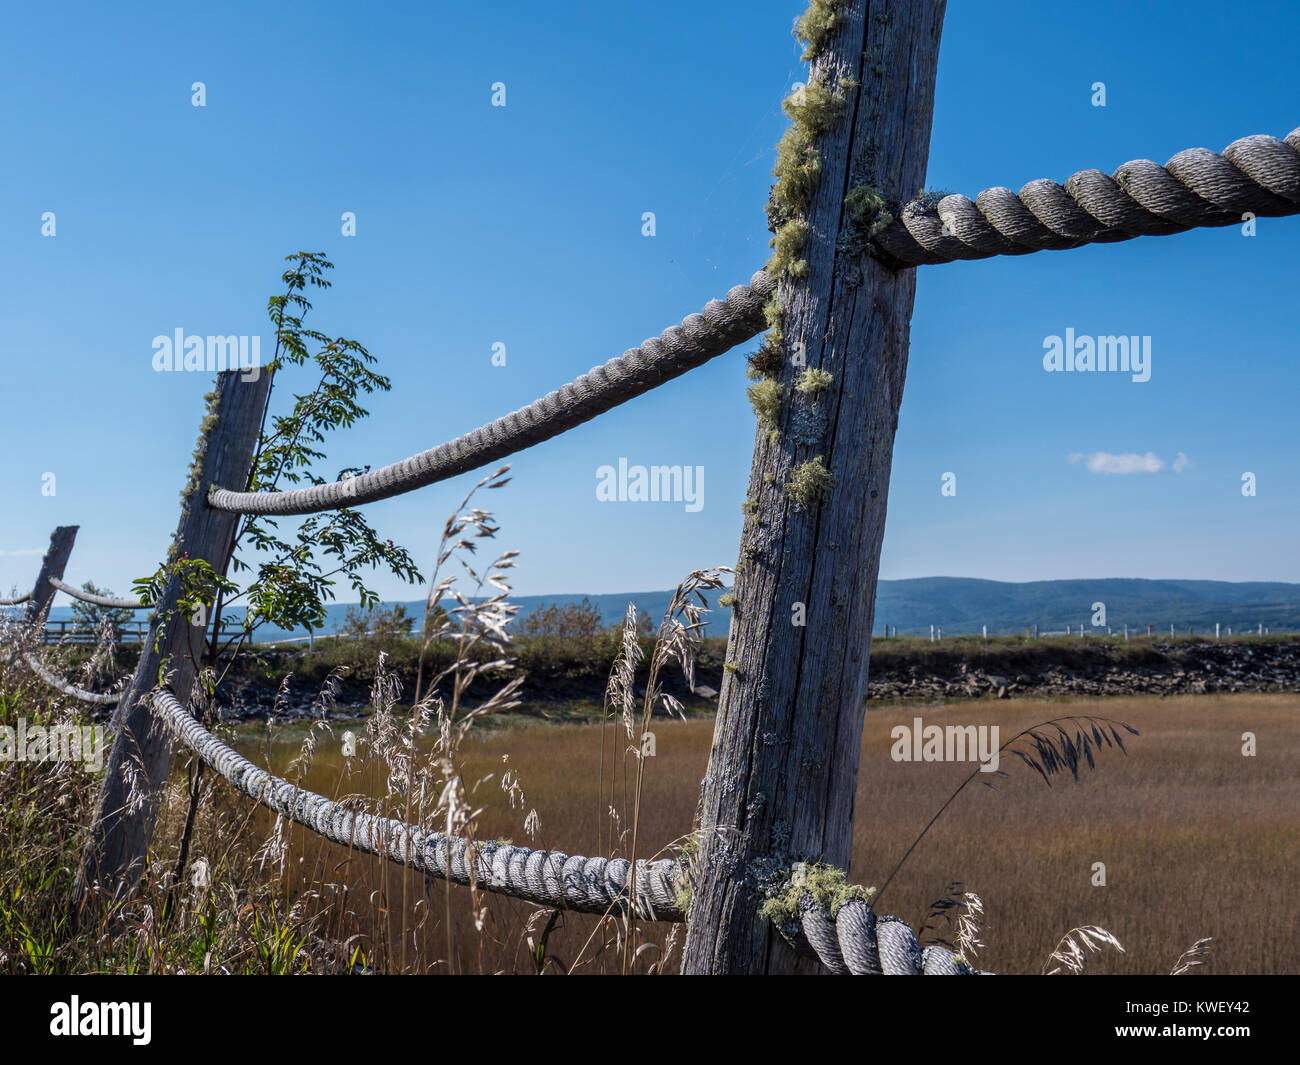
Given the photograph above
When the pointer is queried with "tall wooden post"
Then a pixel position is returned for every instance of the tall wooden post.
(56, 558)
(141, 755)
(784, 765)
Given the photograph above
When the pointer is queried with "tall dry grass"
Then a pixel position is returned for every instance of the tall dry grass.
(230, 888)
(1198, 841)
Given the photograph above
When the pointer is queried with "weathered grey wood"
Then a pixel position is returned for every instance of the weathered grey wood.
(784, 764)
(56, 557)
(128, 800)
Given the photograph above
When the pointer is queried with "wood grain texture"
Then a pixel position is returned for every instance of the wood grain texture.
(127, 810)
(784, 763)
(56, 558)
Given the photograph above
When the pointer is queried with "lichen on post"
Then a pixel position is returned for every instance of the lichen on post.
(784, 765)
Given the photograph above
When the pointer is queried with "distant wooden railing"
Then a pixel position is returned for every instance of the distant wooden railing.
(80, 632)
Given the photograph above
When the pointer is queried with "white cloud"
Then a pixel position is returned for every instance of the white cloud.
(1181, 462)
(1130, 462)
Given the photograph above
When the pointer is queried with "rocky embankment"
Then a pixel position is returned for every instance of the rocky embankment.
(1105, 668)
(959, 670)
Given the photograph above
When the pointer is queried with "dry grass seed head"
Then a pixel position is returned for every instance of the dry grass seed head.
(620, 689)
(1071, 953)
(1193, 956)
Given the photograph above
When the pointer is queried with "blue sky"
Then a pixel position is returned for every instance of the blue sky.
(522, 225)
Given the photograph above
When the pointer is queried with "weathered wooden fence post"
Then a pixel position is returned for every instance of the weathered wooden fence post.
(784, 765)
(56, 557)
(141, 755)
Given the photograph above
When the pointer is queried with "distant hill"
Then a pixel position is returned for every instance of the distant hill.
(961, 605)
(964, 604)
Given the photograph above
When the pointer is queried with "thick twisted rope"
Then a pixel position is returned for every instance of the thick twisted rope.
(852, 941)
(721, 326)
(15, 600)
(99, 600)
(855, 942)
(61, 685)
(548, 878)
(1197, 187)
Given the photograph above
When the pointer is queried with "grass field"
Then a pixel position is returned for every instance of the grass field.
(1197, 840)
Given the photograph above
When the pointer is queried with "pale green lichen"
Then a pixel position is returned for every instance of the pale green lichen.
(210, 403)
(928, 199)
(765, 398)
(786, 246)
(829, 887)
(749, 507)
(195, 476)
(810, 484)
(727, 599)
(815, 107)
(865, 212)
(813, 381)
(812, 110)
(688, 860)
(798, 170)
(815, 26)
(731, 667)
(774, 316)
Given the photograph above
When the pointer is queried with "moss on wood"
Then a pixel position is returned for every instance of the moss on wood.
(810, 484)
(813, 381)
(765, 398)
(826, 884)
(787, 244)
(816, 25)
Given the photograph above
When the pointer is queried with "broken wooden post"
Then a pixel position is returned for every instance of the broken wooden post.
(141, 755)
(784, 765)
(56, 558)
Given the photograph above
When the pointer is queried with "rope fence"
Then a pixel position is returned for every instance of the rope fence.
(85, 597)
(548, 878)
(1197, 187)
(99, 600)
(850, 941)
(59, 684)
(721, 326)
(1258, 175)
